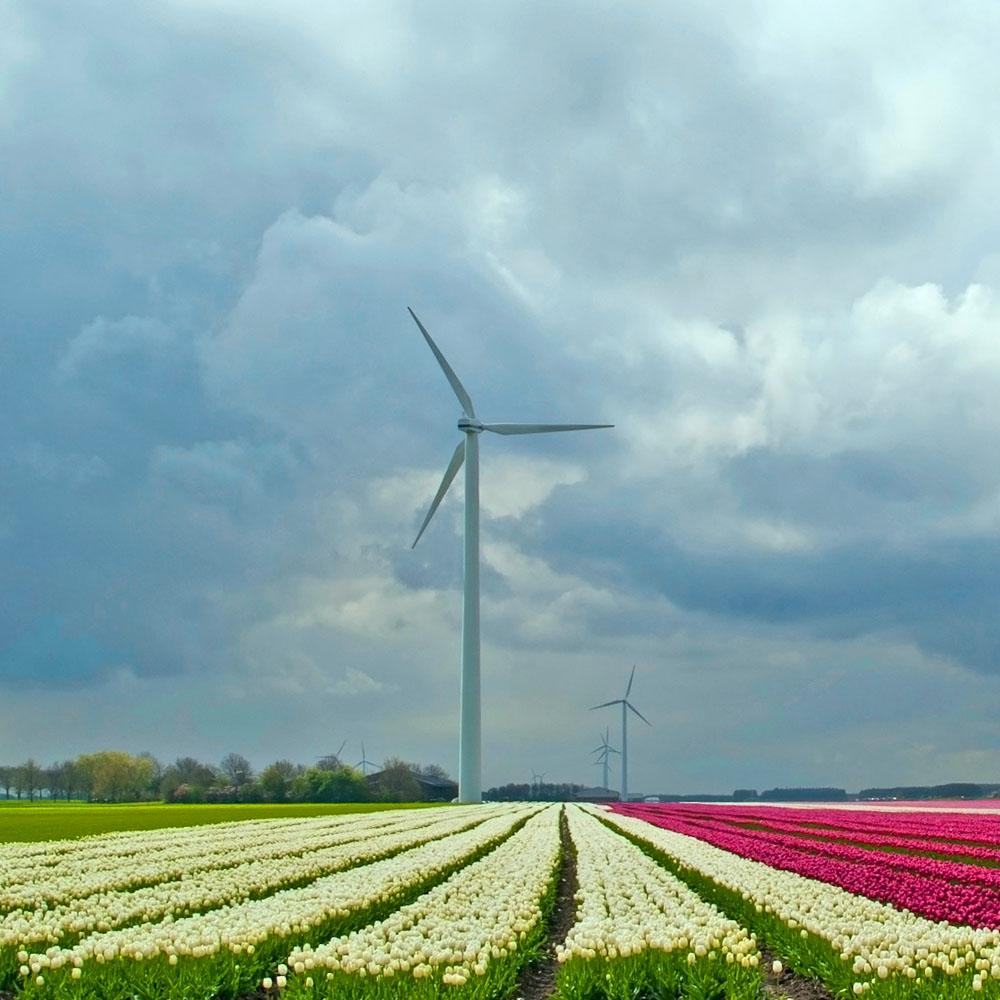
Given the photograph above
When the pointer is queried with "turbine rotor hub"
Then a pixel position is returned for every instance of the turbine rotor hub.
(469, 425)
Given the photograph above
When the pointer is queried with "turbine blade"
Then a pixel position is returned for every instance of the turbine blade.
(628, 690)
(449, 474)
(637, 712)
(449, 374)
(617, 701)
(540, 428)
(341, 750)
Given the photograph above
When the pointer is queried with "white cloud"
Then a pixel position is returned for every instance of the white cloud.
(367, 606)
(220, 470)
(103, 339)
(513, 485)
(52, 466)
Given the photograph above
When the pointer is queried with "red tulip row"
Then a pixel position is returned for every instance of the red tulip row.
(935, 828)
(823, 840)
(940, 890)
(879, 838)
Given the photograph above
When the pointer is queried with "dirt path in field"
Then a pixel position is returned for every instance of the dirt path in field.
(787, 985)
(538, 980)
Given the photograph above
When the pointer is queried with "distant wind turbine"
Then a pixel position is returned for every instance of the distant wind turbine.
(333, 758)
(364, 763)
(470, 719)
(536, 781)
(626, 707)
(603, 752)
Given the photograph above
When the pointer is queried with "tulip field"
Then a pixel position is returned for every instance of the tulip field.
(891, 904)
(663, 901)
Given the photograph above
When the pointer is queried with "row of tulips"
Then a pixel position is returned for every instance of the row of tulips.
(948, 839)
(476, 929)
(852, 943)
(973, 828)
(31, 878)
(939, 890)
(226, 950)
(204, 889)
(868, 849)
(641, 931)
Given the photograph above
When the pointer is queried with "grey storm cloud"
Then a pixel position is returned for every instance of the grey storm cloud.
(758, 239)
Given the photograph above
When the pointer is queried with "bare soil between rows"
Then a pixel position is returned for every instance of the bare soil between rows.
(786, 985)
(538, 979)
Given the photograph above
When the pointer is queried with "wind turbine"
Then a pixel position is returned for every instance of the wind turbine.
(536, 782)
(364, 762)
(332, 760)
(603, 750)
(626, 707)
(470, 782)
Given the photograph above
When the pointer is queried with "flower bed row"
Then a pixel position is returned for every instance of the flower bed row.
(226, 950)
(478, 928)
(814, 824)
(940, 890)
(850, 942)
(204, 888)
(934, 827)
(31, 877)
(641, 931)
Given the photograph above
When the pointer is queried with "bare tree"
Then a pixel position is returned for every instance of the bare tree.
(54, 779)
(434, 771)
(6, 779)
(71, 778)
(30, 778)
(237, 769)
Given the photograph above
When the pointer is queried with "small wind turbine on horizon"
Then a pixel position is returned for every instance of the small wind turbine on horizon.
(364, 763)
(626, 707)
(603, 751)
(536, 781)
(334, 758)
(470, 718)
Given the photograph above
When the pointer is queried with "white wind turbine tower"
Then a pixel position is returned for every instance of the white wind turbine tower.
(626, 707)
(364, 763)
(470, 720)
(602, 755)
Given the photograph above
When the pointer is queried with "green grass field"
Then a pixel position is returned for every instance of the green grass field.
(21, 821)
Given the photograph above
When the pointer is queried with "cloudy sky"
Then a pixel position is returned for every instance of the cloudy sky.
(761, 238)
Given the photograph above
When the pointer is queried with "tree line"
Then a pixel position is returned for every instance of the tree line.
(116, 776)
(542, 791)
